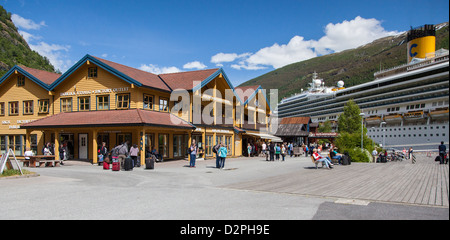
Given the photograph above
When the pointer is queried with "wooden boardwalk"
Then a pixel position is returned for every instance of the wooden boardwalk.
(423, 183)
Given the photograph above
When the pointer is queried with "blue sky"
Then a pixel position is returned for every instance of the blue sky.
(246, 38)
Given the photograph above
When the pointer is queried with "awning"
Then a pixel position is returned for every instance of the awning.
(266, 136)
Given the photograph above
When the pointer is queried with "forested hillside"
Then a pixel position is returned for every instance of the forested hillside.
(14, 50)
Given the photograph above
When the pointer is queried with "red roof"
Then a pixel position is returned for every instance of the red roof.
(245, 92)
(44, 76)
(185, 80)
(146, 78)
(131, 117)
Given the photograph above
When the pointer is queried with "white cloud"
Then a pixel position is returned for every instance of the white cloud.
(227, 57)
(194, 65)
(54, 53)
(27, 24)
(158, 70)
(338, 37)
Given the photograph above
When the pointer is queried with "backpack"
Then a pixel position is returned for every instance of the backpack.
(216, 148)
(278, 150)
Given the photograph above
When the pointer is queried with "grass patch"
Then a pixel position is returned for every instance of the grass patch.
(14, 172)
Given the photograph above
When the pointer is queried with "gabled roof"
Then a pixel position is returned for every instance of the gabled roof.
(242, 92)
(296, 120)
(109, 118)
(40, 77)
(131, 75)
(186, 80)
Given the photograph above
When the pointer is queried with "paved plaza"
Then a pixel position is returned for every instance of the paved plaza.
(248, 188)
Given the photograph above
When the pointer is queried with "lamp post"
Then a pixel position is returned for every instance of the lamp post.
(362, 129)
(383, 131)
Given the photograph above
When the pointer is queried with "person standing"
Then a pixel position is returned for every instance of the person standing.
(134, 150)
(216, 151)
(193, 153)
(442, 152)
(283, 151)
(264, 150)
(272, 151)
(222, 154)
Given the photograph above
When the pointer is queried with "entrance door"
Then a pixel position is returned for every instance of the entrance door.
(82, 146)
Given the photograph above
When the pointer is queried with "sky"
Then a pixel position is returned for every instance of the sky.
(247, 38)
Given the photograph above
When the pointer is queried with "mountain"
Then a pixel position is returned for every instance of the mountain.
(14, 50)
(354, 66)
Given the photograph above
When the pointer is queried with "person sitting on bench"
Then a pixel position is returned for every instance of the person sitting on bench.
(320, 158)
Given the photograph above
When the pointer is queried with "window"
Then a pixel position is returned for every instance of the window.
(2, 109)
(102, 102)
(208, 145)
(43, 106)
(163, 105)
(20, 81)
(66, 104)
(83, 104)
(123, 101)
(228, 143)
(14, 108)
(92, 72)
(163, 146)
(148, 102)
(28, 107)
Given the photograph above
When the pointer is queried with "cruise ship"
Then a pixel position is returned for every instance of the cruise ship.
(406, 106)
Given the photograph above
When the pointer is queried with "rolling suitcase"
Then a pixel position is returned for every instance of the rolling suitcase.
(128, 164)
(115, 163)
(150, 162)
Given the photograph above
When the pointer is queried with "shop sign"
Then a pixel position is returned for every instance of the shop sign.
(323, 135)
(97, 91)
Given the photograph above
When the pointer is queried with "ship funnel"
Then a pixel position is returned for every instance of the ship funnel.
(421, 42)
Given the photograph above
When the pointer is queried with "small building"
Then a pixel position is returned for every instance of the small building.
(294, 129)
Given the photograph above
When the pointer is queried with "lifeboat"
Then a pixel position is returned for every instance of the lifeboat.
(393, 118)
(439, 114)
(413, 115)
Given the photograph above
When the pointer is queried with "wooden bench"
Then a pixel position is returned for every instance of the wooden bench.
(26, 162)
(43, 161)
(316, 162)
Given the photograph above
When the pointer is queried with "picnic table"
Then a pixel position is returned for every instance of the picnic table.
(42, 160)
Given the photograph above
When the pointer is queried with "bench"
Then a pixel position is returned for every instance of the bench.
(26, 162)
(316, 162)
(43, 161)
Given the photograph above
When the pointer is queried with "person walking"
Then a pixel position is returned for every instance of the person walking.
(222, 154)
(277, 152)
(193, 153)
(283, 151)
(442, 151)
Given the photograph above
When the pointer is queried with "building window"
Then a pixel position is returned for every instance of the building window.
(2, 109)
(148, 102)
(102, 102)
(20, 81)
(163, 104)
(209, 145)
(66, 104)
(123, 101)
(228, 143)
(83, 104)
(43, 106)
(92, 72)
(13, 108)
(28, 107)
(163, 146)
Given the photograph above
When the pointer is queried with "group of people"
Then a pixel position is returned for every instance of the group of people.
(123, 151)
(49, 150)
(220, 150)
(274, 150)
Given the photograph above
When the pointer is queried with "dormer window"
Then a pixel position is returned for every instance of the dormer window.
(20, 81)
(92, 72)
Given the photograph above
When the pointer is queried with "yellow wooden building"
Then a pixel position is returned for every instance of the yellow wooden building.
(97, 101)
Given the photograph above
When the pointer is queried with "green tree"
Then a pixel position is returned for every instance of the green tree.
(325, 127)
(349, 139)
(350, 121)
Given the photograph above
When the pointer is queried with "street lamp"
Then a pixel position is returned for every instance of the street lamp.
(383, 131)
(362, 129)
